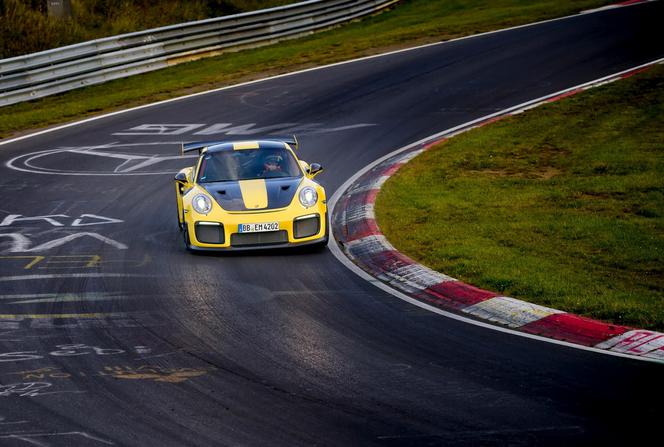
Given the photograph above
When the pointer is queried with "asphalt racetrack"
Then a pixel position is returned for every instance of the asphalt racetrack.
(112, 334)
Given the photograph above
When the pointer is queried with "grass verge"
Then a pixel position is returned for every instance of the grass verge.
(562, 205)
(412, 22)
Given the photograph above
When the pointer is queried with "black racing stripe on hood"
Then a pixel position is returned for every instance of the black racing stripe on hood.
(227, 194)
(280, 193)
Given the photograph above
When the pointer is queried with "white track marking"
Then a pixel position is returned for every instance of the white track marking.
(21, 243)
(73, 275)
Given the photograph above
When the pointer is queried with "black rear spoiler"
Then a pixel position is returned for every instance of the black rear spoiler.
(200, 145)
(291, 141)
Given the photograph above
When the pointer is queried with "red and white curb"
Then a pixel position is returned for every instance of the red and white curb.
(615, 5)
(357, 235)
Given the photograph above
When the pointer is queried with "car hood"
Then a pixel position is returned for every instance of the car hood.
(254, 195)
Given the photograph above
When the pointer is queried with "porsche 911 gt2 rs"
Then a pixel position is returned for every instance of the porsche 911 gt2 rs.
(250, 194)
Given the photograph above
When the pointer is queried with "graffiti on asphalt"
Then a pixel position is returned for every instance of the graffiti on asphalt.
(151, 373)
(73, 350)
(30, 389)
(238, 129)
(22, 243)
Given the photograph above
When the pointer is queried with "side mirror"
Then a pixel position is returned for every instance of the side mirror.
(181, 177)
(315, 169)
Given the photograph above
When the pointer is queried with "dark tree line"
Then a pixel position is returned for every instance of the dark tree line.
(25, 26)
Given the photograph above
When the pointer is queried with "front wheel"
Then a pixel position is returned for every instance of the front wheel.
(185, 238)
(320, 246)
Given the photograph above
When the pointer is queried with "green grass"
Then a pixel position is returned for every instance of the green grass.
(412, 22)
(562, 205)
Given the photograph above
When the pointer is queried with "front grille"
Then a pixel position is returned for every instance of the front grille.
(209, 234)
(262, 238)
(306, 227)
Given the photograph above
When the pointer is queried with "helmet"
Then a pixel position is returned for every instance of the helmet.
(272, 160)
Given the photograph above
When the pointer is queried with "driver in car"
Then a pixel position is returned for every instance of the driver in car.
(272, 166)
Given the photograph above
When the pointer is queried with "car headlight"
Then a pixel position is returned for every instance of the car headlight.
(308, 196)
(201, 203)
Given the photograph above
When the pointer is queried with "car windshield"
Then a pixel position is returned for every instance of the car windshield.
(247, 164)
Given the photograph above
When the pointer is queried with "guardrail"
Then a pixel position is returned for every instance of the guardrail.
(67, 68)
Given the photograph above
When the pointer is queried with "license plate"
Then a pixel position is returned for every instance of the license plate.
(258, 227)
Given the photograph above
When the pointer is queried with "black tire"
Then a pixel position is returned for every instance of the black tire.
(320, 246)
(185, 237)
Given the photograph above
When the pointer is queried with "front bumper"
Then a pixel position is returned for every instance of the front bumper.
(321, 241)
(221, 233)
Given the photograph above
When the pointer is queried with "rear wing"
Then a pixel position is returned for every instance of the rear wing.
(200, 145)
(291, 141)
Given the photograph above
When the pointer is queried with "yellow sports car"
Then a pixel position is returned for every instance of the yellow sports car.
(250, 194)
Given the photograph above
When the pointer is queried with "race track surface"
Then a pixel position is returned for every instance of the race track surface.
(111, 334)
